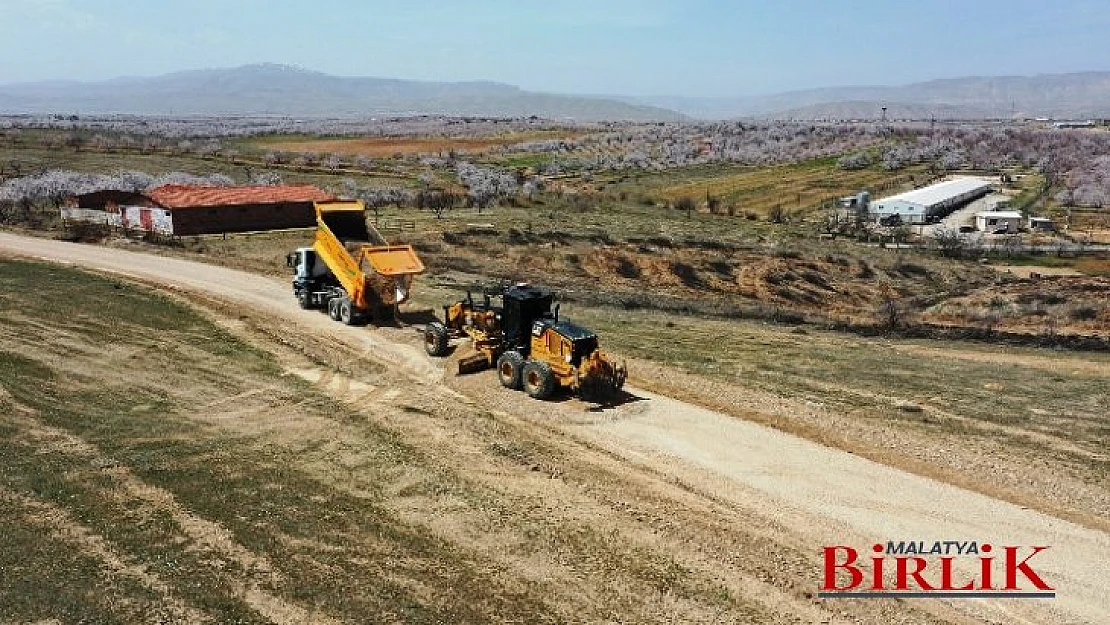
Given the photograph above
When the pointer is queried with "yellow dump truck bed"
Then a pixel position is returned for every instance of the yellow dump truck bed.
(393, 260)
(371, 271)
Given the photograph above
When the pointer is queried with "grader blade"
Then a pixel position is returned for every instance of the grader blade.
(473, 363)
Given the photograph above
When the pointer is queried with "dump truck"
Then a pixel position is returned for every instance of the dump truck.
(531, 347)
(350, 270)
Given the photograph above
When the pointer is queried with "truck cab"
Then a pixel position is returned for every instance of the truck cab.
(308, 273)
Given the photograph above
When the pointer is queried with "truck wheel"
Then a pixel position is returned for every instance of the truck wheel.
(304, 298)
(346, 312)
(509, 367)
(538, 379)
(435, 339)
(333, 308)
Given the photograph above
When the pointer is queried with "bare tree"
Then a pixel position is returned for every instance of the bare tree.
(950, 242)
(436, 201)
(777, 214)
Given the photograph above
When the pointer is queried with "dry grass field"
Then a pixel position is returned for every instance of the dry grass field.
(795, 188)
(159, 468)
(248, 482)
(1027, 425)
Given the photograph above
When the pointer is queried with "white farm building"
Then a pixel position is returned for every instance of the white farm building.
(998, 221)
(934, 201)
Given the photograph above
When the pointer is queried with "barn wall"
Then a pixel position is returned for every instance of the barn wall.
(217, 219)
(147, 219)
(91, 216)
(127, 217)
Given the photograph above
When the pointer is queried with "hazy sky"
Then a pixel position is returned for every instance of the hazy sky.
(633, 47)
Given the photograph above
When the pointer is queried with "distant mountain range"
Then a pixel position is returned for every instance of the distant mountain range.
(285, 90)
(281, 89)
(1048, 95)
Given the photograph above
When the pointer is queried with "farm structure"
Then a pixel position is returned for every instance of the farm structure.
(211, 210)
(931, 202)
(1042, 224)
(995, 221)
(185, 210)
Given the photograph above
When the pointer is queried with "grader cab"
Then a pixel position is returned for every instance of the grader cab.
(526, 341)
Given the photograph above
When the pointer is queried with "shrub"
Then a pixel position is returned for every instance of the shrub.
(685, 204)
(859, 160)
(85, 232)
(894, 314)
(1084, 312)
(628, 269)
(687, 274)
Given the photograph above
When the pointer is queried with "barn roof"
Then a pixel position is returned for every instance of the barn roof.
(940, 192)
(178, 196)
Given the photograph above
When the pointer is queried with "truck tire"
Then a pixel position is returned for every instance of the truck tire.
(435, 339)
(538, 379)
(304, 298)
(346, 312)
(509, 369)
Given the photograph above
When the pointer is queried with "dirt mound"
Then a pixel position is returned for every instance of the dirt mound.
(1049, 304)
(829, 285)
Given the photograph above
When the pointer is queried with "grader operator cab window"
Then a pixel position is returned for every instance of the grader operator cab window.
(523, 306)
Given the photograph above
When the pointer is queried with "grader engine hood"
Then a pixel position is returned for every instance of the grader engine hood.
(596, 372)
(583, 341)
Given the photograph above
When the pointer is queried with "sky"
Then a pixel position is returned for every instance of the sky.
(619, 47)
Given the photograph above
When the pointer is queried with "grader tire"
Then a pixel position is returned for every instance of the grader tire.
(509, 369)
(435, 339)
(538, 379)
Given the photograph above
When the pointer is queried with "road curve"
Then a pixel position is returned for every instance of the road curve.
(825, 496)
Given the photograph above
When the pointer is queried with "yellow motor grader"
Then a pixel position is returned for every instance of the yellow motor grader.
(528, 344)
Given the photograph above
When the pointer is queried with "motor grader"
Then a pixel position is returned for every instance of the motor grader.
(528, 344)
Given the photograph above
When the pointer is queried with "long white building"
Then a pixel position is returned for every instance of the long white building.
(935, 200)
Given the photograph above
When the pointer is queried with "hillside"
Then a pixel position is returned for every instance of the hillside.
(1082, 95)
(280, 89)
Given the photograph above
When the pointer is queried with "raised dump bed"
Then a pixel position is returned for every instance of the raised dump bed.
(350, 269)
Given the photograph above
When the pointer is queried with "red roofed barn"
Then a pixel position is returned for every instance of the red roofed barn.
(210, 210)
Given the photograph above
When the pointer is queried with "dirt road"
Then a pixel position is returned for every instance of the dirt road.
(813, 495)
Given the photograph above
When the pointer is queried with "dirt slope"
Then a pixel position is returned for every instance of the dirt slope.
(731, 474)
